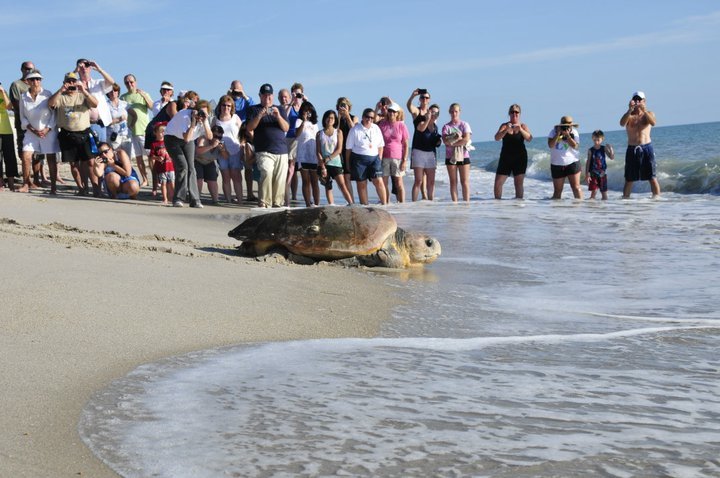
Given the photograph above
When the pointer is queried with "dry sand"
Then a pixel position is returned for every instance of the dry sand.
(93, 288)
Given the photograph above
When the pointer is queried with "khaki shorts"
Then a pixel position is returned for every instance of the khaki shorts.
(391, 167)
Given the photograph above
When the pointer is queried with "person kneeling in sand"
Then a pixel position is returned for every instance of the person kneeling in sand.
(118, 176)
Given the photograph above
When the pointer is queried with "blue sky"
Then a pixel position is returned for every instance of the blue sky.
(553, 58)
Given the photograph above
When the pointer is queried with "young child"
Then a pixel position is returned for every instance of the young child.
(162, 165)
(596, 166)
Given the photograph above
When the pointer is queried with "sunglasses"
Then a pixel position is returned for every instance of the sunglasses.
(369, 117)
(514, 112)
(425, 97)
(227, 106)
(103, 152)
(34, 79)
(637, 98)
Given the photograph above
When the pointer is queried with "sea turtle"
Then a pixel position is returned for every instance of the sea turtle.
(329, 233)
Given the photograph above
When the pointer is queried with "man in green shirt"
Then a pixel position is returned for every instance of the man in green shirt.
(139, 105)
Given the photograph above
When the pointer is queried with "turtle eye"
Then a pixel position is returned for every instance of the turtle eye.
(429, 242)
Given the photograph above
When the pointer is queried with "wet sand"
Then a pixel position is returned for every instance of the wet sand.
(93, 288)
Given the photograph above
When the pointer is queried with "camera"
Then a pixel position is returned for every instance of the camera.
(422, 91)
(201, 115)
(299, 95)
(72, 88)
(113, 136)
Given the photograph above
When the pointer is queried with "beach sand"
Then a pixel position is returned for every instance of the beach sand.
(93, 288)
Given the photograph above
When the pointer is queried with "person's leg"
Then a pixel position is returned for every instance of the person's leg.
(189, 149)
(362, 192)
(418, 175)
(499, 182)
(112, 183)
(519, 181)
(226, 185)
(453, 179)
(315, 186)
(430, 183)
(348, 183)
(175, 149)
(558, 184)
(249, 182)
(399, 188)
(386, 185)
(131, 188)
(340, 181)
(282, 165)
(464, 171)
(290, 168)
(237, 182)
(26, 172)
(380, 189)
(53, 169)
(627, 189)
(305, 174)
(213, 189)
(654, 187)
(574, 180)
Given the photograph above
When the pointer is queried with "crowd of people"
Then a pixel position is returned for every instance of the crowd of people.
(106, 137)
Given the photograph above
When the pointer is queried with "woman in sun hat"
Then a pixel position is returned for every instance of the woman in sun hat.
(564, 144)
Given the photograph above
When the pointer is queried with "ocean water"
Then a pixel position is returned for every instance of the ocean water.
(551, 338)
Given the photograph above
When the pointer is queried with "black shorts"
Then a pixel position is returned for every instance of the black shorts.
(640, 163)
(558, 172)
(512, 166)
(449, 163)
(75, 146)
(309, 166)
(207, 172)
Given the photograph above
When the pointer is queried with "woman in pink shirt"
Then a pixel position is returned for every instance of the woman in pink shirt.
(394, 160)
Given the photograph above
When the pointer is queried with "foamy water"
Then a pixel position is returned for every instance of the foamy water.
(552, 338)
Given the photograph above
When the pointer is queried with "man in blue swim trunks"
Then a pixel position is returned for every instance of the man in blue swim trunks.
(639, 157)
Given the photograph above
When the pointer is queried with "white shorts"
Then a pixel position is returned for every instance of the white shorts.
(391, 167)
(423, 159)
(138, 145)
(47, 145)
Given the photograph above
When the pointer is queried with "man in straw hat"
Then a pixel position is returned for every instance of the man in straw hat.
(639, 157)
(564, 144)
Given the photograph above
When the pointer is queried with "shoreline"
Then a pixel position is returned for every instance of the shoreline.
(97, 287)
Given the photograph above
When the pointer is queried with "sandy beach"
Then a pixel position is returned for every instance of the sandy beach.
(93, 288)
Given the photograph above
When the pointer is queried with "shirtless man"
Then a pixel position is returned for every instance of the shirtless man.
(640, 157)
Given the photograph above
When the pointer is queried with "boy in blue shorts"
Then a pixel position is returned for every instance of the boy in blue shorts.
(596, 166)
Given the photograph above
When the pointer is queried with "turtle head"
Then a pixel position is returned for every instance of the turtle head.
(420, 248)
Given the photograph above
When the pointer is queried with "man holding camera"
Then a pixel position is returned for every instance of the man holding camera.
(242, 101)
(269, 125)
(639, 157)
(72, 103)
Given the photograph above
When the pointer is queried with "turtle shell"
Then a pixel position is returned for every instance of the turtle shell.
(319, 232)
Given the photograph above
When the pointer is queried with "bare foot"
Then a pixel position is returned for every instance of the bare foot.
(23, 189)
(60, 180)
(33, 186)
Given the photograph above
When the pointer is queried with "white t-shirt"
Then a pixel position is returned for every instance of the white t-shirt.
(365, 141)
(562, 154)
(36, 113)
(306, 152)
(99, 89)
(181, 123)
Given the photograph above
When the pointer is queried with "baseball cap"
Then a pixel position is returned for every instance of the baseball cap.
(641, 94)
(266, 89)
(166, 85)
(394, 107)
(71, 76)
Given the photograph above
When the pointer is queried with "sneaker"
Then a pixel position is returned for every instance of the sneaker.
(178, 204)
(197, 205)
